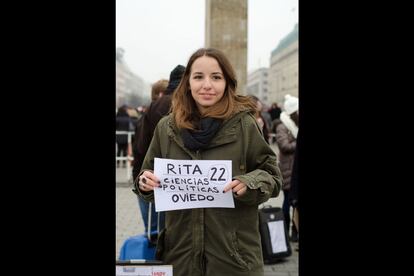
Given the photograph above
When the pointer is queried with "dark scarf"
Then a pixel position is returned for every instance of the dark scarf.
(199, 139)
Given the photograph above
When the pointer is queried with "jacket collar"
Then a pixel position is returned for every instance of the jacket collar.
(226, 134)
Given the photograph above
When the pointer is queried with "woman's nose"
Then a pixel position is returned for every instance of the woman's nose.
(207, 83)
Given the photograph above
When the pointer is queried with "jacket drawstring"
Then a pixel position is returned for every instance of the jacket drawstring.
(242, 155)
(167, 155)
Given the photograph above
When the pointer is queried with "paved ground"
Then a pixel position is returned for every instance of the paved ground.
(129, 223)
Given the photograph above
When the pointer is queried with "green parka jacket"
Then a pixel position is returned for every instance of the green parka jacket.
(218, 241)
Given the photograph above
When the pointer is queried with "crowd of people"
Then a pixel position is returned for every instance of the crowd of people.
(198, 114)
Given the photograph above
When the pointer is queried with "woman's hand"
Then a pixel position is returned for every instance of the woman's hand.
(147, 181)
(236, 186)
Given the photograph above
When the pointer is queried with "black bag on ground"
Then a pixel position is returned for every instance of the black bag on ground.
(275, 239)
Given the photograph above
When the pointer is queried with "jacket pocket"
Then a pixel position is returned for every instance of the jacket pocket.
(237, 253)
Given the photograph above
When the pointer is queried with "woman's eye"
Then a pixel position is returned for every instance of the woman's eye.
(217, 77)
(198, 77)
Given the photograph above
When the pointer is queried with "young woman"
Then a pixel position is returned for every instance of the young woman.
(209, 121)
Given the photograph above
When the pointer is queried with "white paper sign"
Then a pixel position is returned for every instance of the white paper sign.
(277, 236)
(144, 270)
(187, 184)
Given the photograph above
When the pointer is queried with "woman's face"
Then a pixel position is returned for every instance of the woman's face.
(207, 82)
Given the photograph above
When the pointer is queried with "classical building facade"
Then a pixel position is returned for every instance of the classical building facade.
(284, 68)
(257, 85)
(226, 29)
(130, 88)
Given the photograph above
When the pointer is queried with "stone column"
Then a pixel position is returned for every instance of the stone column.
(226, 30)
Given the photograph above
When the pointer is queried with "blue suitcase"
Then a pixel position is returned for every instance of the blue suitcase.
(140, 246)
(137, 247)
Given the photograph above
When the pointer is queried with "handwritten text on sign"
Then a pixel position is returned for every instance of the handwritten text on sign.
(189, 184)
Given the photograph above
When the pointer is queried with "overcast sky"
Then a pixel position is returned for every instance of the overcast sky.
(159, 34)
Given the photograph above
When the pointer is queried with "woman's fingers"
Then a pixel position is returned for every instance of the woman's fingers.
(240, 189)
(147, 181)
(231, 185)
(237, 187)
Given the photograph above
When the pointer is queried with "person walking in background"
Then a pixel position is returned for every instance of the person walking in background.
(294, 187)
(161, 92)
(134, 117)
(158, 89)
(209, 121)
(274, 112)
(265, 116)
(286, 133)
(260, 120)
(123, 123)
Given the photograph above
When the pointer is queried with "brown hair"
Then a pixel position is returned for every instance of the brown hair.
(157, 88)
(184, 108)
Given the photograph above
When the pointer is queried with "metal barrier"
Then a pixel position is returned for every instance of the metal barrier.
(129, 156)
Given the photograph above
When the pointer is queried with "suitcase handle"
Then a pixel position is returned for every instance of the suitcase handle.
(149, 229)
(263, 206)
